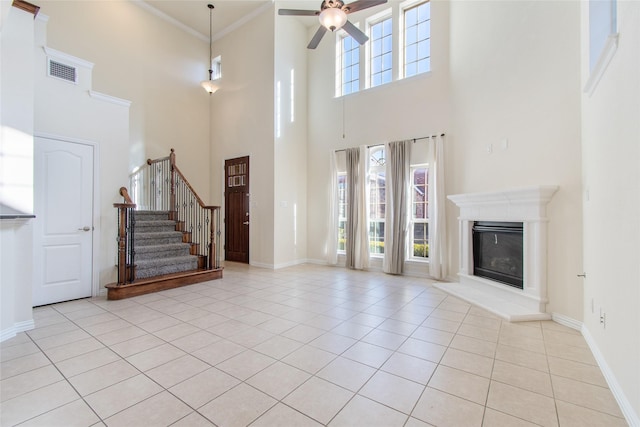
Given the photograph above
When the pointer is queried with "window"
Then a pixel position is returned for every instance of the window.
(417, 39)
(342, 211)
(419, 227)
(377, 200)
(602, 24)
(380, 60)
(216, 67)
(349, 66)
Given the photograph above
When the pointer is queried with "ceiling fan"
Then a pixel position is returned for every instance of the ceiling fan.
(333, 16)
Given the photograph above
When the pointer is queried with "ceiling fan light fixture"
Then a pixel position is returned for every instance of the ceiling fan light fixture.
(333, 18)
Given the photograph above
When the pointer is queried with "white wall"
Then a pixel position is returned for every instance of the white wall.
(16, 113)
(611, 159)
(67, 111)
(515, 77)
(410, 108)
(290, 151)
(242, 123)
(155, 65)
(16, 149)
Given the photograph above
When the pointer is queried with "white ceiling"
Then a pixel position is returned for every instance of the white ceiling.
(227, 14)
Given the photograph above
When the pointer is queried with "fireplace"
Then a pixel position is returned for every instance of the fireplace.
(497, 252)
(509, 278)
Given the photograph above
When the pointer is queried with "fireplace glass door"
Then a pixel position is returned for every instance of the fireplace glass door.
(498, 252)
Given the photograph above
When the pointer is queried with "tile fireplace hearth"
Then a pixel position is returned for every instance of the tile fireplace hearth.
(526, 206)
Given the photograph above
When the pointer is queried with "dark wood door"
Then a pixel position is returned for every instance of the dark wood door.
(236, 209)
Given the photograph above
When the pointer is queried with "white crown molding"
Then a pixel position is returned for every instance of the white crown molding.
(109, 98)
(171, 20)
(68, 59)
(240, 22)
(218, 35)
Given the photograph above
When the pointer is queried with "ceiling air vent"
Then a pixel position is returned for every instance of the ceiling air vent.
(62, 71)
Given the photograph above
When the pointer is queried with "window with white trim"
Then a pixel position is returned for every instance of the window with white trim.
(417, 39)
(380, 52)
(377, 200)
(342, 211)
(419, 227)
(349, 65)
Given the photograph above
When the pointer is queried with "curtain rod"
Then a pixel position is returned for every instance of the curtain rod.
(378, 145)
(426, 137)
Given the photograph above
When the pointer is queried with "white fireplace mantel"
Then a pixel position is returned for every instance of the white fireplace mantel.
(526, 205)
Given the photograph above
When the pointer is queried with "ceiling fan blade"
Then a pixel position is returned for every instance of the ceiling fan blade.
(362, 4)
(354, 32)
(298, 12)
(315, 41)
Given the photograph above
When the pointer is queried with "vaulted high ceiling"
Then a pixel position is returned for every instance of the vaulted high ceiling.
(227, 14)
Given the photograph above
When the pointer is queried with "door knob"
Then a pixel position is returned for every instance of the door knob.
(246, 223)
(85, 228)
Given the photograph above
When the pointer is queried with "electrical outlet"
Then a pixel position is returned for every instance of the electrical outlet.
(603, 318)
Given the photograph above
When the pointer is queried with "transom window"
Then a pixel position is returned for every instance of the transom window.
(381, 61)
(417, 39)
(349, 66)
(419, 228)
(377, 200)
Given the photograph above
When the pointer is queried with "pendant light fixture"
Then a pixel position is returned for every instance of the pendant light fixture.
(209, 85)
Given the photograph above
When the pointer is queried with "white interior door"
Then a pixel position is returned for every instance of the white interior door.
(63, 228)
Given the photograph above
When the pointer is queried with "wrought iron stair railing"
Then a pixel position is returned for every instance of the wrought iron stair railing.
(159, 185)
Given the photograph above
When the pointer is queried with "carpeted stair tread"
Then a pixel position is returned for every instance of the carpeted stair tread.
(156, 238)
(159, 248)
(170, 250)
(157, 267)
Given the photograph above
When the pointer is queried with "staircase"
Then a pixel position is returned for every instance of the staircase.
(172, 241)
(159, 246)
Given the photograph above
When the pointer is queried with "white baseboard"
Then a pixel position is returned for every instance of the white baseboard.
(290, 264)
(11, 332)
(261, 265)
(625, 406)
(566, 321)
(278, 266)
(317, 261)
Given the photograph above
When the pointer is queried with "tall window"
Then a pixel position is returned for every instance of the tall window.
(417, 39)
(349, 60)
(381, 52)
(342, 211)
(377, 200)
(419, 228)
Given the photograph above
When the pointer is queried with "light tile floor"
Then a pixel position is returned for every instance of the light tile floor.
(302, 346)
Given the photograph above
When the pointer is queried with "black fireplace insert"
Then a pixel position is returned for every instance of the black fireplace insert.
(497, 252)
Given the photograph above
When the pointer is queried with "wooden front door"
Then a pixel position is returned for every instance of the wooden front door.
(236, 209)
(63, 228)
